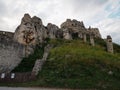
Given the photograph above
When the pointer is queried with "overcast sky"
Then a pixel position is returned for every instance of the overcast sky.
(104, 14)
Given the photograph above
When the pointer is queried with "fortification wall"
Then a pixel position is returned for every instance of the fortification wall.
(11, 53)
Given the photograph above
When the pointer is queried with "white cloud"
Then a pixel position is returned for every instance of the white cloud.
(110, 27)
(98, 13)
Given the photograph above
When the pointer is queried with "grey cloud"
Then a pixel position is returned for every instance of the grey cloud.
(92, 12)
(2, 8)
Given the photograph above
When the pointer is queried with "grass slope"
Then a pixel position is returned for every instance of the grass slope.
(74, 64)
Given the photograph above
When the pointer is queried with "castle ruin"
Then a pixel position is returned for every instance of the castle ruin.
(109, 44)
(31, 31)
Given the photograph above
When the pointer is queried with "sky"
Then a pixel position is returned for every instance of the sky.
(103, 14)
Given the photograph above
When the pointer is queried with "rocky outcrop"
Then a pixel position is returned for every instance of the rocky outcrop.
(95, 32)
(67, 34)
(54, 31)
(41, 30)
(78, 30)
(6, 37)
(73, 29)
(73, 24)
(30, 32)
(25, 32)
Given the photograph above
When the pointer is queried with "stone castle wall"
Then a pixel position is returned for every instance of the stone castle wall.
(11, 53)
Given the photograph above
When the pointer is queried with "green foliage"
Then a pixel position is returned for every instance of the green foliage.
(28, 63)
(101, 42)
(73, 64)
(116, 48)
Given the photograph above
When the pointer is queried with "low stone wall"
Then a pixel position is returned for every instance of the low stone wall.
(16, 77)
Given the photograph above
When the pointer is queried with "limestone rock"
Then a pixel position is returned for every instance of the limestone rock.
(41, 31)
(6, 36)
(74, 24)
(26, 19)
(67, 34)
(76, 28)
(25, 32)
(94, 31)
(37, 21)
(54, 31)
(30, 32)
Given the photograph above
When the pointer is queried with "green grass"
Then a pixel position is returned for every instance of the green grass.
(116, 48)
(75, 64)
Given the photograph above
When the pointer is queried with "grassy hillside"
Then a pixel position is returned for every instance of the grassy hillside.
(74, 64)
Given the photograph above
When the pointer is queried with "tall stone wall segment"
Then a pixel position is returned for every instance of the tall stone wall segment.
(109, 44)
(11, 53)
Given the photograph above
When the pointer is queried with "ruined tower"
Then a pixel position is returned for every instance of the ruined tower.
(109, 44)
(84, 37)
(92, 40)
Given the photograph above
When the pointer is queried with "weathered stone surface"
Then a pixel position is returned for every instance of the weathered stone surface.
(67, 34)
(74, 24)
(30, 32)
(6, 36)
(25, 32)
(84, 37)
(54, 31)
(26, 19)
(94, 31)
(11, 53)
(41, 30)
(74, 28)
(109, 44)
(79, 28)
(92, 40)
